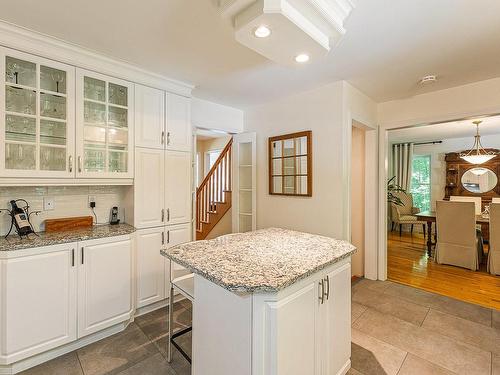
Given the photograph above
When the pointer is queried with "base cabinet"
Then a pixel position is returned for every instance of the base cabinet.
(104, 284)
(54, 295)
(38, 305)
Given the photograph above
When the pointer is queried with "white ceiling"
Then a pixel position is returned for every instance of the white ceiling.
(388, 46)
(448, 130)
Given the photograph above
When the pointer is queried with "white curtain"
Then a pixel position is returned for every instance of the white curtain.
(402, 156)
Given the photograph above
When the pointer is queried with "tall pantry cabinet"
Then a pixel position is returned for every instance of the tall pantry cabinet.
(162, 186)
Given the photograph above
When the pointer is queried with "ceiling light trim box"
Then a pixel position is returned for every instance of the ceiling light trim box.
(311, 27)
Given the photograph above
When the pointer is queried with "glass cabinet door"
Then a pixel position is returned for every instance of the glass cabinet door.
(36, 116)
(105, 134)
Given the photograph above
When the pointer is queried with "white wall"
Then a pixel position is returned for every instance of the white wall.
(460, 102)
(329, 112)
(70, 201)
(209, 115)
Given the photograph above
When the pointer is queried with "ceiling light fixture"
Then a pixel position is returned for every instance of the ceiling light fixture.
(477, 154)
(302, 58)
(262, 31)
(428, 79)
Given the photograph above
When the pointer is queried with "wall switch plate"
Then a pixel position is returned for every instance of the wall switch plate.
(91, 199)
(48, 203)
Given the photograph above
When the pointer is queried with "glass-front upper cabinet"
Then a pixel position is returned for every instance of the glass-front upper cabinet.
(37, 122)
(105, 131)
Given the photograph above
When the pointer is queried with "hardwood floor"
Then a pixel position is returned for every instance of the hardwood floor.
(407, 263)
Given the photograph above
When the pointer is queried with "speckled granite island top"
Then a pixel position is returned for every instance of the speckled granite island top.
(265, 260)
(13, 242)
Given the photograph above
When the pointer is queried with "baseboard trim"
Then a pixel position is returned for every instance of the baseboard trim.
(345, 368)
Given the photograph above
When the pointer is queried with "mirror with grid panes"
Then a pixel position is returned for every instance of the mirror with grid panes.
(290, 166)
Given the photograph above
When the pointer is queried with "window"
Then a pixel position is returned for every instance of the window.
(421, 182)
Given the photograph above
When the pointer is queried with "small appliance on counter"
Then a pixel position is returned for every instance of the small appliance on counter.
(20, 218)
(114, 216)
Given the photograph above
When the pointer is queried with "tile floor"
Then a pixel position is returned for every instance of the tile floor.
(396, 329)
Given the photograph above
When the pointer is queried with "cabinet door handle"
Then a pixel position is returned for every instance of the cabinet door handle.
(72, 257)
(80, 164)
(83, 253)
(70, 163)
(168, 214)
(163, 238)
(163, 137)
(322, 294)
(168, 236)
(327, 279)
(162, 215)
(168, 138)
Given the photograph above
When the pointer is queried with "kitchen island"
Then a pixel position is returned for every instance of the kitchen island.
(272, 301)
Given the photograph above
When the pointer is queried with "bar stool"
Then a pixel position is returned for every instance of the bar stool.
(185, 286)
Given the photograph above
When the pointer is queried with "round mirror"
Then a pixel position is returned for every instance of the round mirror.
(479, 180)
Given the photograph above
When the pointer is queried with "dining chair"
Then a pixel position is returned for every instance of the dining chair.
(495, 200)
(458, 242)
(494, 251)
(476, 200)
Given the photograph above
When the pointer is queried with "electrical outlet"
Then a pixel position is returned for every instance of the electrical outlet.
(48, 204)
(91, 200)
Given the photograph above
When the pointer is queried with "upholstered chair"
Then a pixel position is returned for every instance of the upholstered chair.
(405, 213)
(494, 251)
(495, 200)
(475, 200)
(458, 242)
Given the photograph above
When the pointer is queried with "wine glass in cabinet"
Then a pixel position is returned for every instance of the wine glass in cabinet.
(36, 116)
(104, 135)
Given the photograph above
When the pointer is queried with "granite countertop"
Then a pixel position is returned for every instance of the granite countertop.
(13, 242)
(265, 260)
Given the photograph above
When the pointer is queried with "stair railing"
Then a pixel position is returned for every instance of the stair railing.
(214, 186)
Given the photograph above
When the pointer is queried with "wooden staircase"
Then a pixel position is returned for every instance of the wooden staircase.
(213, 196)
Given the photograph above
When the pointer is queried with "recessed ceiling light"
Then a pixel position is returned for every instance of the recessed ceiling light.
(302, 58)
(428, 79)
(262, 31)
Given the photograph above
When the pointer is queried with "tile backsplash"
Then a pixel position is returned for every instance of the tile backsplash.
(69, 201)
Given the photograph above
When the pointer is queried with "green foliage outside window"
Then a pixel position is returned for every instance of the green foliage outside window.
(421, 182)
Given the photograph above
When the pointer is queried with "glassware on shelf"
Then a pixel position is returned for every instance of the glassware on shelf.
(94, 113)
(52, 132)
(117, 136)
(94, 89)
(20, 100)
(20, 156)
(21, 129)
(118, 95)
(94, 134)
(52, 158)
(20, 72)
(52, 79)
(117, 161)
(117, 117)
(52, 106)
(94, 160)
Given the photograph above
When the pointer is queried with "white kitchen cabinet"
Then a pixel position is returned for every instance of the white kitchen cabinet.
(150, 266)
(179, 133)
(149, 117)
(104, 283)
(178, 202)
(149, 188)
(37, 116)
(104, 126)
(38, 301)
(337, 318)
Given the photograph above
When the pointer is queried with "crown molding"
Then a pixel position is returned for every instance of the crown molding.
(26, 40)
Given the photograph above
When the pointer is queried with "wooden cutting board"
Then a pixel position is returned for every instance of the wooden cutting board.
(68, 223)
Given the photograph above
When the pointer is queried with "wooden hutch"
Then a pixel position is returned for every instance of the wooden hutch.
(455, 169)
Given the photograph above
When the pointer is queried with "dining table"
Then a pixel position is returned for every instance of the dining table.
(430, 217)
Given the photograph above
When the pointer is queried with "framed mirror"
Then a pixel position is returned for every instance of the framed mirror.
(290, 164)
(479, 180)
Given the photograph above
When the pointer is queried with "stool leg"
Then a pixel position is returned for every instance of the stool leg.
(170, 324)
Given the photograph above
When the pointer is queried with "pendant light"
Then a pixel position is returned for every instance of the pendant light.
(477, 154)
